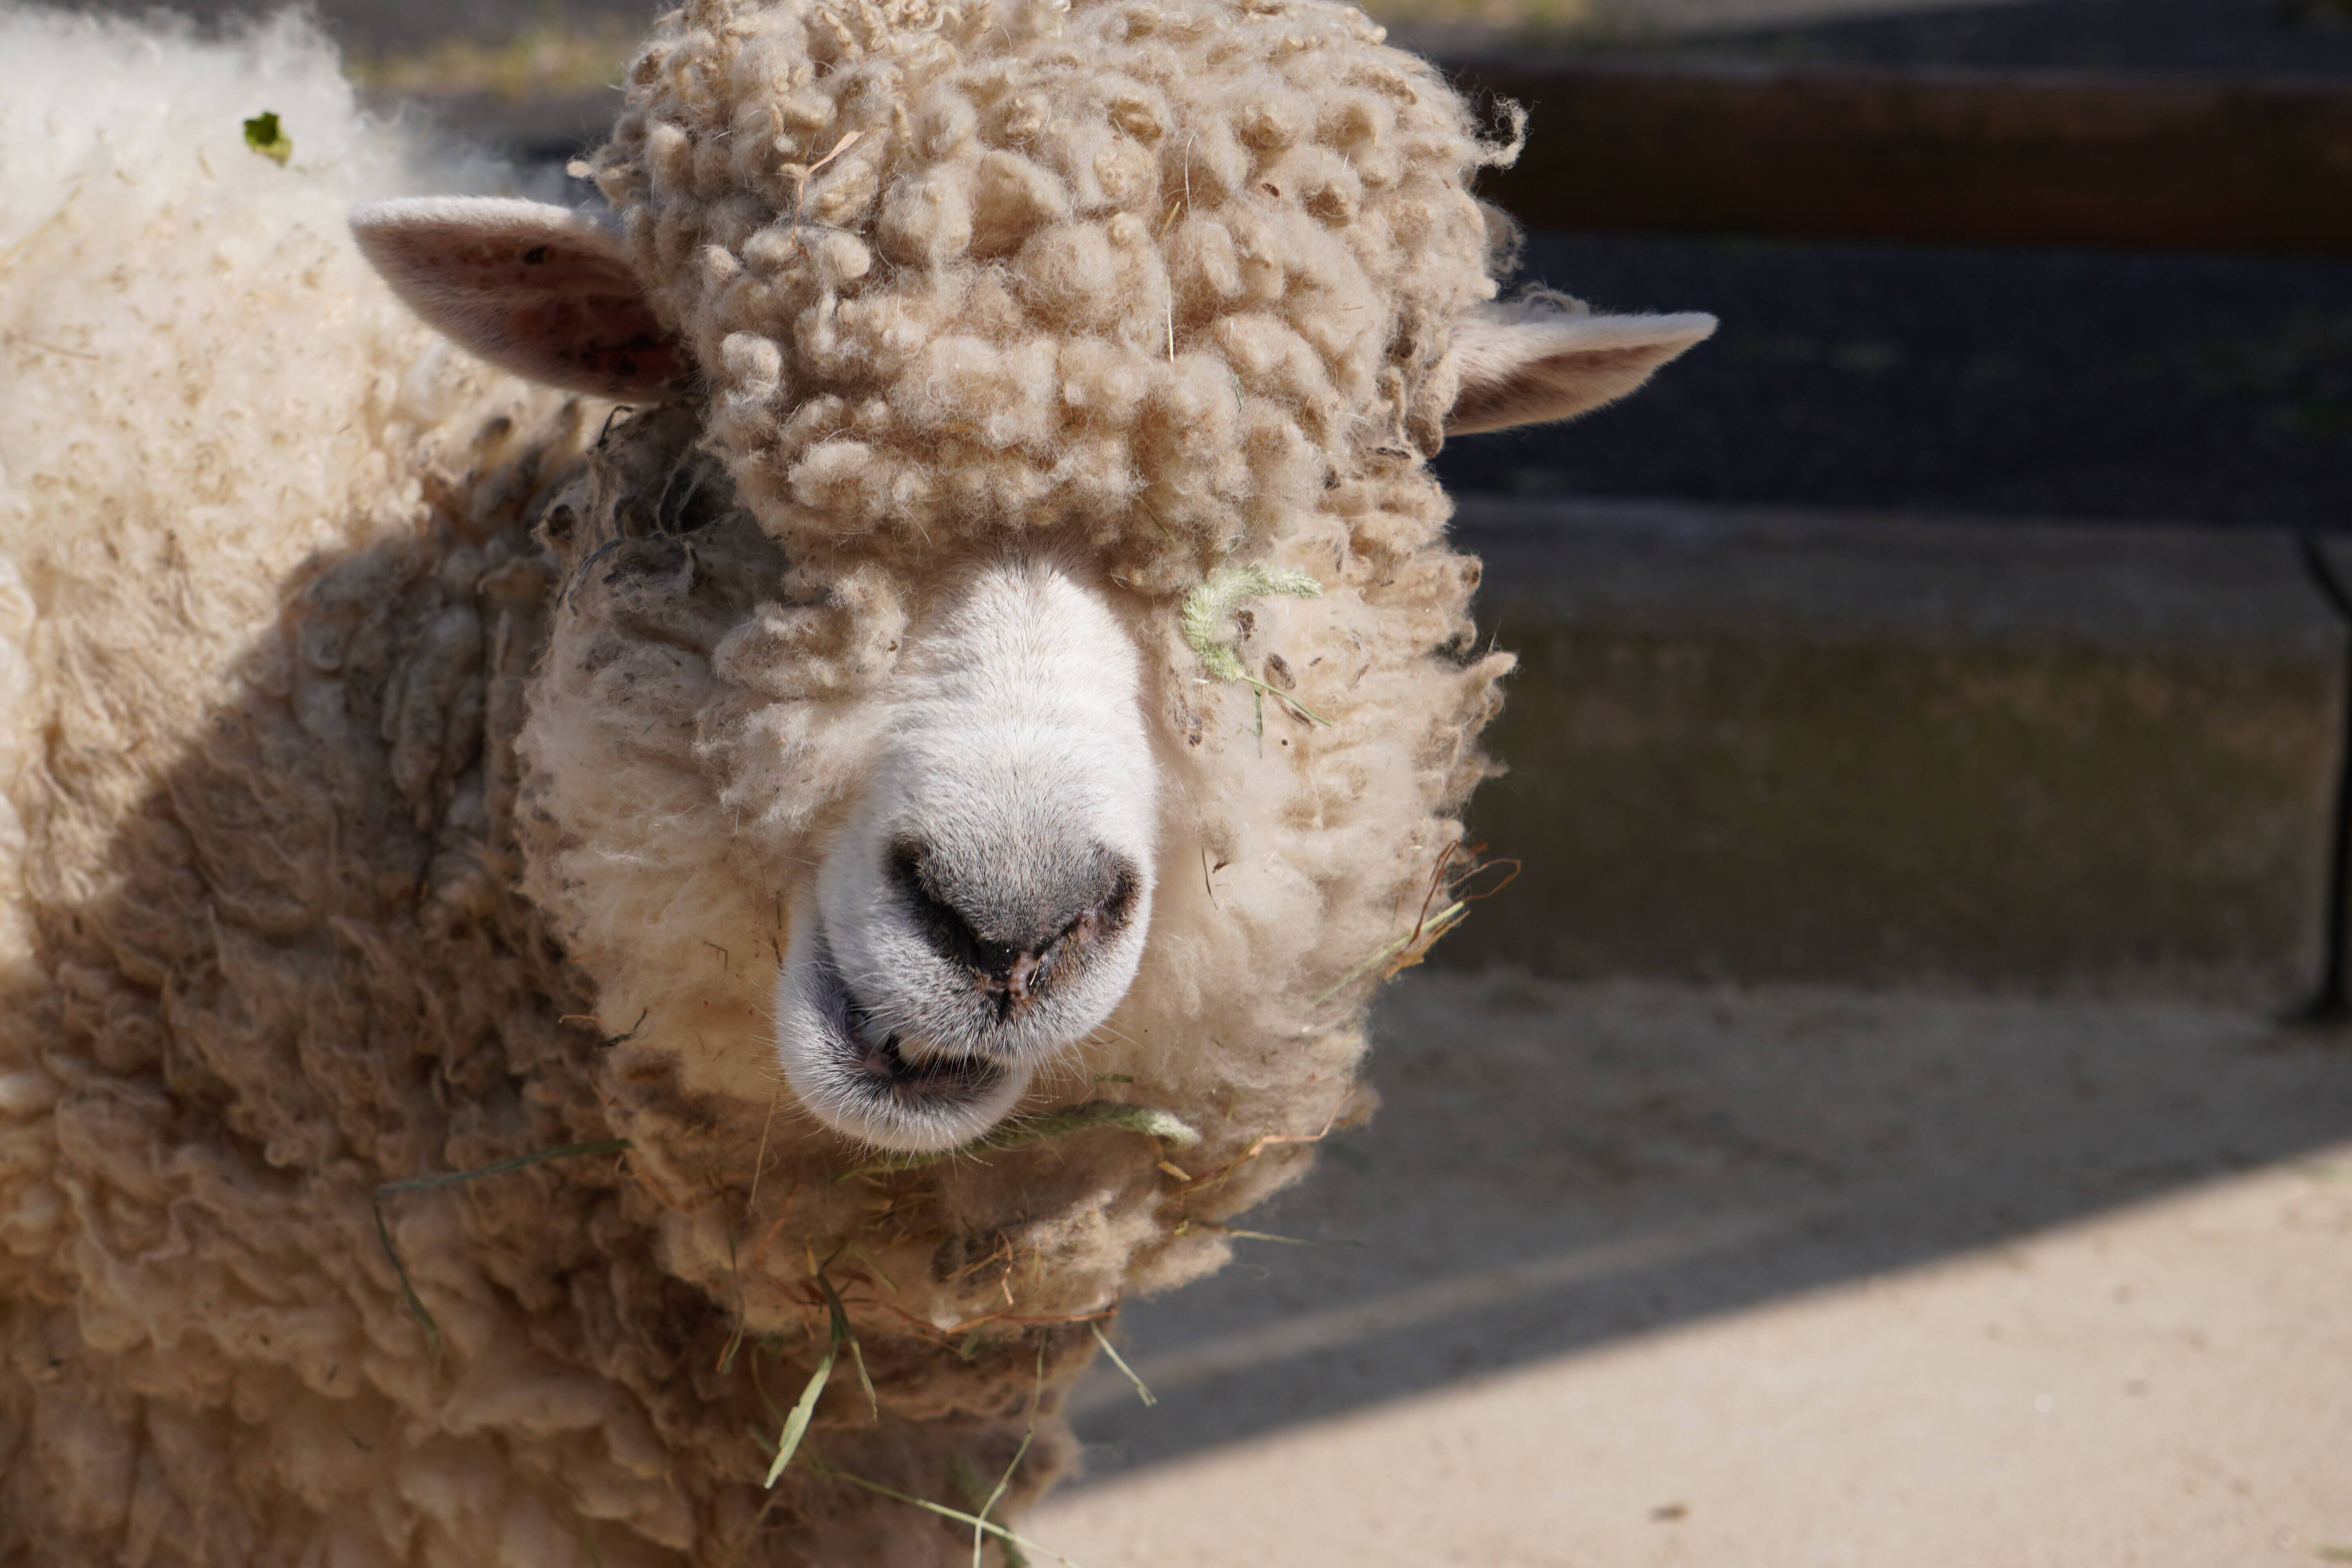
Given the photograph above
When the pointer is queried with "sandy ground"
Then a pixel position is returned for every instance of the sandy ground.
(1657, 1275)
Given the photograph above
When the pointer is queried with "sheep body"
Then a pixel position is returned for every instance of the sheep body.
(403, 769)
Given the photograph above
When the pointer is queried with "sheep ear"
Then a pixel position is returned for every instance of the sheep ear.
(536, 289)
(1526, 364)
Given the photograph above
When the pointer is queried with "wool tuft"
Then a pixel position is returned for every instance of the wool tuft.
(1258, 204)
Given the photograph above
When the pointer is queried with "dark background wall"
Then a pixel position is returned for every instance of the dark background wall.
(2208, 388)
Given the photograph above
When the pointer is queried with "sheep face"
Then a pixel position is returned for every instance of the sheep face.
(985, 903)
(1027, 336)
(955, 754)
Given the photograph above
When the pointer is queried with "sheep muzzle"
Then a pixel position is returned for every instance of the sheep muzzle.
(984, 908)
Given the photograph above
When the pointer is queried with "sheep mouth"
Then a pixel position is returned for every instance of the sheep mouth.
(874, 1054)
(872, 1083)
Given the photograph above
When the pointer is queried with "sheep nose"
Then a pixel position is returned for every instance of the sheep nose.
(1016, 933)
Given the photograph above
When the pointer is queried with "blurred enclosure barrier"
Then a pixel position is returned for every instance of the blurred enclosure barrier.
(1751, 744)
(1938, 156)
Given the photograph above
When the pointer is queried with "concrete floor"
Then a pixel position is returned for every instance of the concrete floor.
(1639, 1274)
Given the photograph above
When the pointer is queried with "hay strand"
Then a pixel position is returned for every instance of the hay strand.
(421, 1184)
(796, 1422)
(1142, 1391)
(1264, 1142)
(1023, 1131)
(1410, 949)
(878, 1489)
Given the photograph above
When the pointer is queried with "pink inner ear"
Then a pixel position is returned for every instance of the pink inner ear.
(501, 262)
(560, 314)
(1552, 389)
(1526, 364)
(533, 289)
(607, 345)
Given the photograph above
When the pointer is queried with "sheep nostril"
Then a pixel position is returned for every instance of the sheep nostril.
(1014, 934)
(945, 927)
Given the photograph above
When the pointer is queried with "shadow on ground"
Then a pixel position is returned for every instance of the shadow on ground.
(1557, 1166)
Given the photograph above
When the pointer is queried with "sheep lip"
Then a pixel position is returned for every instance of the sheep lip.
(878, 1060)
(882, 1069)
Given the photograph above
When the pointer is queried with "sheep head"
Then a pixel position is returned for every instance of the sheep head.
(1008, 333)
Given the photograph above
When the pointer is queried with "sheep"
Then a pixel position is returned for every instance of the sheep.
(622, 932)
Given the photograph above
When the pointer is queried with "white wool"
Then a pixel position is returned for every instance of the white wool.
(200, 376)
(19, 721)
(202, 386)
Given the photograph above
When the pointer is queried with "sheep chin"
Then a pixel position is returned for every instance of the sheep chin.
(852, 1075)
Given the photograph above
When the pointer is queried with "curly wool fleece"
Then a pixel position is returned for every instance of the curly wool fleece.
(323, 646)
(1158, 270)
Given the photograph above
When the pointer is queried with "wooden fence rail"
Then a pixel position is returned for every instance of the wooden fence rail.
(1940, 157)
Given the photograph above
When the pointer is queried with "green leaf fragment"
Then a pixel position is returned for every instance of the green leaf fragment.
(1210, 606)
(267, 137)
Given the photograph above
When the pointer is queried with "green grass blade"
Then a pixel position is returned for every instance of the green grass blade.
(416, 1302)
(1437, 925)
(844, 1336)
(1028, 1436)
(979, 1524)
(1120, 1361)
(503, 1167)
(942, 1509)
(796, 1423)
